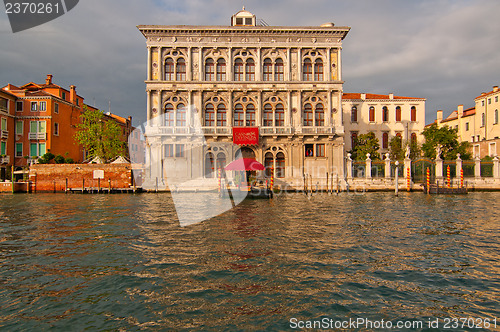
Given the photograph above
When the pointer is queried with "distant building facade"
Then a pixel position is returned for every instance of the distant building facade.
(280, 88)
(384, 115)
(478, 125)
(43, 118)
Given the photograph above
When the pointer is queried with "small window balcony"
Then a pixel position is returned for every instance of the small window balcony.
(37, 136)
(5, 134)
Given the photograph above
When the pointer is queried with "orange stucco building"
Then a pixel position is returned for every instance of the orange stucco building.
(43, 118)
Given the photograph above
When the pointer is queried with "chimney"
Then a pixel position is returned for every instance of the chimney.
(72, 94)
(439, 116)
(363, 96)
(495, 88)
(460, 110)
(48, 80)
(391, 96)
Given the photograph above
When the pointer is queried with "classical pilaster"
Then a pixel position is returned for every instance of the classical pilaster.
(160, 70)
(339, 64)
(288, 76)
(288, 115)
(230, 66)
(200, 64)
(189, 64)
(328, 72)
(148, 105)
(149, 64)
(258, 69)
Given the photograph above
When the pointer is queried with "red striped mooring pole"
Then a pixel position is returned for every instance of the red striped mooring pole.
(428, 181)
(461, 178)
(448, 177)
(408, 179)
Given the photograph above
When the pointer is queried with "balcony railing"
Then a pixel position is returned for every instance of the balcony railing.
(276, 130)
(5, 134)
(315, 130)
(5, 160)
(224, 131)
(37, 135)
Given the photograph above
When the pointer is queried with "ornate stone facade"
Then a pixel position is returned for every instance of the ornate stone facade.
(286, 81)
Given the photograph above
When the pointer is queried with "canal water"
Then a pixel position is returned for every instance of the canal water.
(123, 262)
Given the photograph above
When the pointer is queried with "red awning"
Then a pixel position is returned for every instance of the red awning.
(244, 164)
(246, 135)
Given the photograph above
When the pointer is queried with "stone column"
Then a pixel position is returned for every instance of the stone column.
(148, 106)
(149, 63)
(368, 167)
(477, 167)
(349, 166)
(439, 168)
(229, 111)
(387, 166)
(160, 110)
(407, 165)
(159, 67)
(458, 167)
(496, 169)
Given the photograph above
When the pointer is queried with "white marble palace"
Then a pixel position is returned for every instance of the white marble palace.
(269, 93)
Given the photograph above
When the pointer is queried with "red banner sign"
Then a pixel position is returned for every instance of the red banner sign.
(246, 135)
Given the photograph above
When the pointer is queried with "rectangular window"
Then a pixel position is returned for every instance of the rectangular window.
(489, 101)
(4, 124)
(466, 126)
(19, 106)
(3, 148)
(56, 129)
(179, 150)
(43, 106)
(309, 150)
(169, 150)
(77, 102)
(37, 127)
(33, 149)
(4, 104)
(41, 149)
(19, 127)
(496, 99)
(64, 95)
(482, 103)
(19, 149)
(33, 106)
(56, 108)
(320, 150)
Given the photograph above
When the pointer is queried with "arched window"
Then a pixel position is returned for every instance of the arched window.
(414, 137)
(239, 116)
(221, 70)
(238, 70)
(307, 70)
(279, 70)
(180, 119)
(250, 115)
(413, 114)
(221, 115)
(319, 115)
(385, 140)
(372, 114)
(268, 115)
(268, 70)
(318, 70)
(250, 70)
(209, 70)
(308, 115)
(385, 114)
(169, 69)
(209, 165)
(279, 115)
(280, 165)
(209, 115)
(398, 113)
(221, 161)
(399, 135)
(169, 115)
(181, 69)
(354, 114)
(268, 163)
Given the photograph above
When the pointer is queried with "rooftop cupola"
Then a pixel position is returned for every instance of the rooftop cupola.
(243, 18)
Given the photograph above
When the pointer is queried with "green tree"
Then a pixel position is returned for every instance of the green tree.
(366, 143)
(99, 137)
(396, 150)
(447, 138)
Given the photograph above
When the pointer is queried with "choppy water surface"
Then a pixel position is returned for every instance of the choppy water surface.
(122, 262)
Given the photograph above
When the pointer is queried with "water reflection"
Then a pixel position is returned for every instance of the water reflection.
(124, 262)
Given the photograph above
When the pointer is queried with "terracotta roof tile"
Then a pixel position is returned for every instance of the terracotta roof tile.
(347, 96)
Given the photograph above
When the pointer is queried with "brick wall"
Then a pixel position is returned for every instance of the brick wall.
(52, 177)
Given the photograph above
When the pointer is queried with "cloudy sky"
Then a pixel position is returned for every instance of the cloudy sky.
(447, 51)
